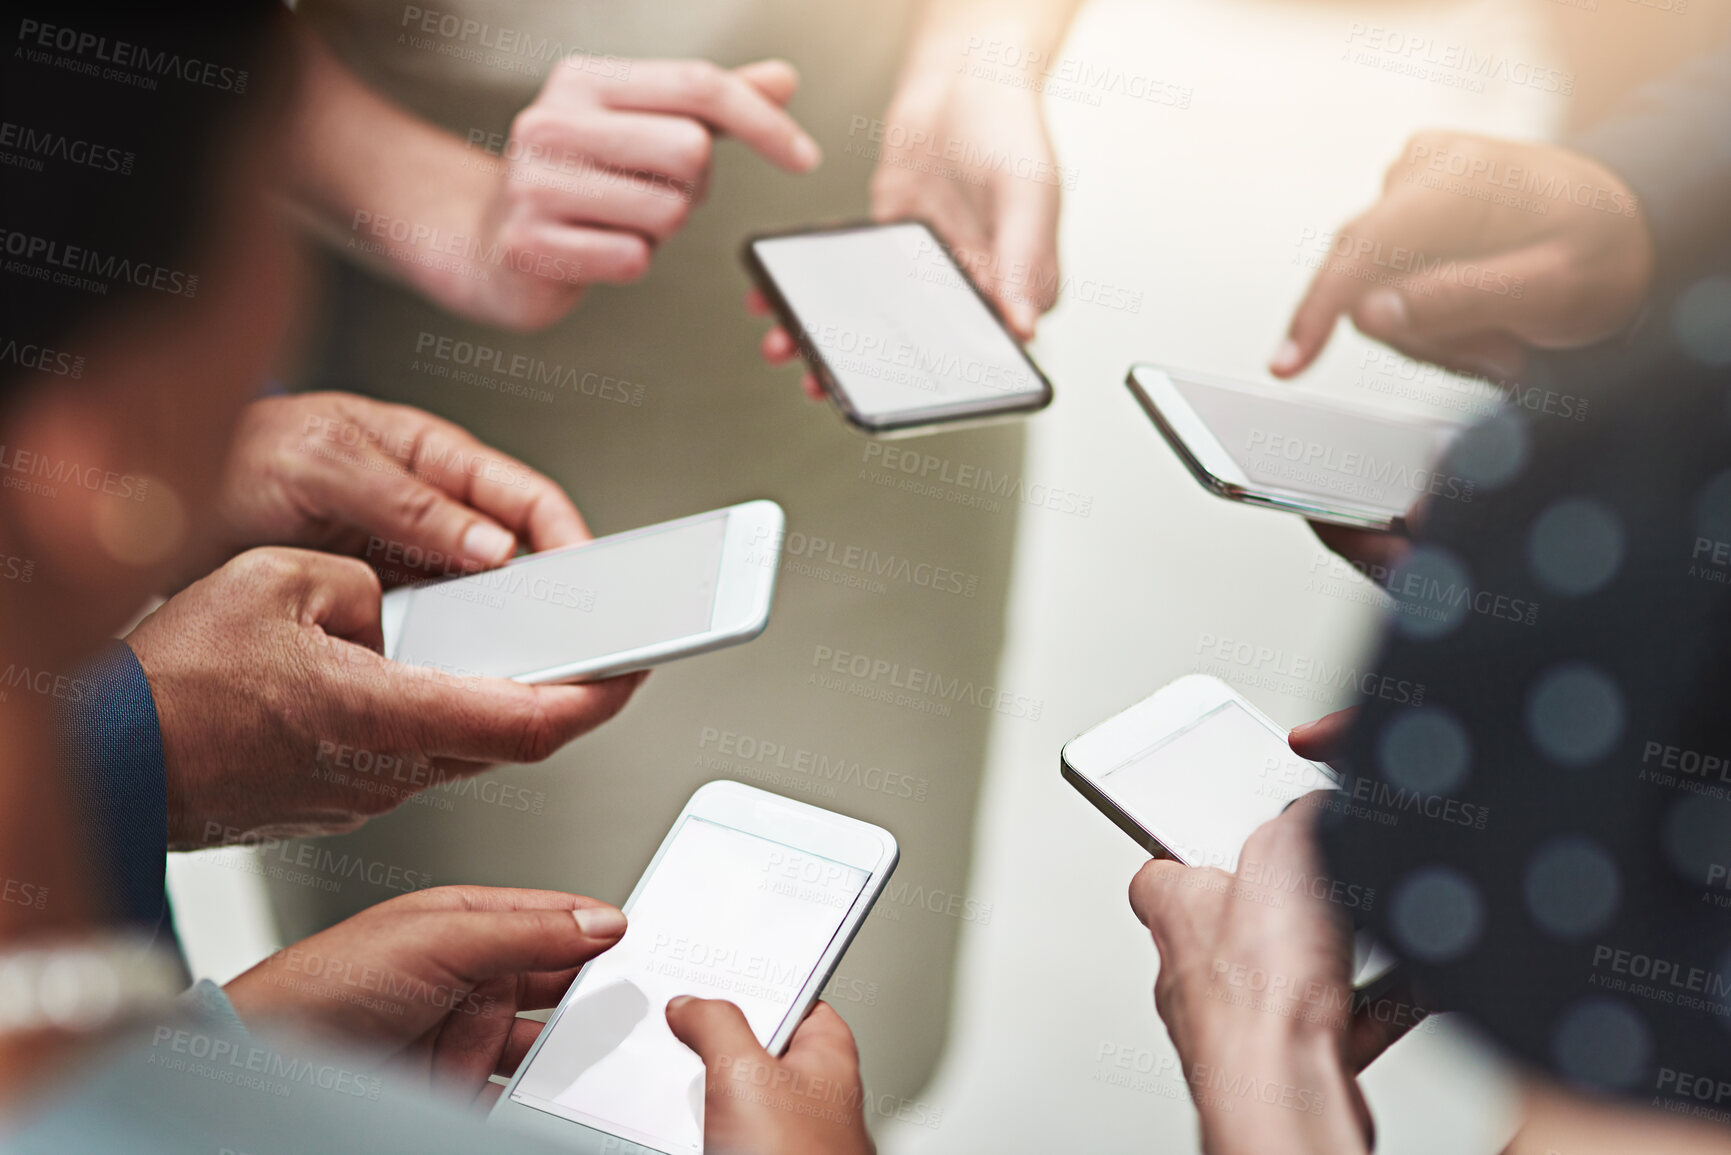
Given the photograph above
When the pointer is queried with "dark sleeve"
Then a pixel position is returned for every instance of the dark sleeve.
(1671, 141)
(111, 746)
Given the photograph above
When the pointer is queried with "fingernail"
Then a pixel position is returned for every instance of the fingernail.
(486, 542)
(600, 921)
(1385, 309)
(806, 152)
(677, 1001)
(1286, 358)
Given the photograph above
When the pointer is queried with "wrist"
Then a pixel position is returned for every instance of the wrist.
(1275, 1085)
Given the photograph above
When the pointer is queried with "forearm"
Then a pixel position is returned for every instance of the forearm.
(398, 193)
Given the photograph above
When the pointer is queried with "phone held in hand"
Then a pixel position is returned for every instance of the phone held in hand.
(1277, 447)
(892, 327)
(752, 898)
(1191, 771)
(605, 607)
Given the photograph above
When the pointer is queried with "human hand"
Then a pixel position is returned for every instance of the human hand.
(1248, 976)
(1000, 220)
(607, 163)
(348, 474)
(1456, 267)
(268, 684)
(809, 1100)
(432, 982)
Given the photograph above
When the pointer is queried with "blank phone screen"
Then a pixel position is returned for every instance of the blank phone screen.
(1359, 460)
(1203, 789)
(898, 323)
(726, 915)
(568, 606)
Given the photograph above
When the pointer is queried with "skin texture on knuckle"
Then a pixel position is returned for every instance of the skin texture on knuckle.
(700, 81)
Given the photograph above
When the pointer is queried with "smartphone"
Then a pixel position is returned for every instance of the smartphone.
(753, 898)
(605, 607)
(892, 327)
(1191, 771)
(1281, 449)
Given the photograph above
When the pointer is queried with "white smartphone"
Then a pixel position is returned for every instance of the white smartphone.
(606, 607)
(1191, 771)
(752, 898)
(1278, 448)
(894, 330)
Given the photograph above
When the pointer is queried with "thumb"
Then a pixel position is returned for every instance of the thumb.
(1322, 739)
(776, 79)
(715, 1029)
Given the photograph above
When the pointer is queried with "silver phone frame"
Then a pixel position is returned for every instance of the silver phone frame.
(1212, 465)
(744, 594)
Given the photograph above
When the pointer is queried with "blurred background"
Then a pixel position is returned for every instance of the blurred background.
(1001, 991)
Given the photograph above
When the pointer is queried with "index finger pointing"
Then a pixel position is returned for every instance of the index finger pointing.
(724, 100)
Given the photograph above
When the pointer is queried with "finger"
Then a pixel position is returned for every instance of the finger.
(469, 897)
(1026, 255)
(575, 254)
(757, 304)
(523, 1034)
(1503, 292)
(478, 945)
(1345, 276)
(592, 140)
(823, 1036)
(809, 384)
(724, 100)
(1382, 1021)
(1367, 549)
(1322, 739)
(776, 79)
(778, 346)
(1148, 889)
(525, 502)
(713, 1028)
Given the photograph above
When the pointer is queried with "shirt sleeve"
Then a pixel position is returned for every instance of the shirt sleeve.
(1671, 141)
(111, 746)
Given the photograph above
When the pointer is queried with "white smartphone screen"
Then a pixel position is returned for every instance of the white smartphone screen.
(569, 605)
(726, 915)
(898, 324)
(1364, 461)
(1203, 789)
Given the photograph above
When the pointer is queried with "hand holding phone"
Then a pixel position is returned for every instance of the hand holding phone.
(751, 898)
(605, 607)
(892, 328)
